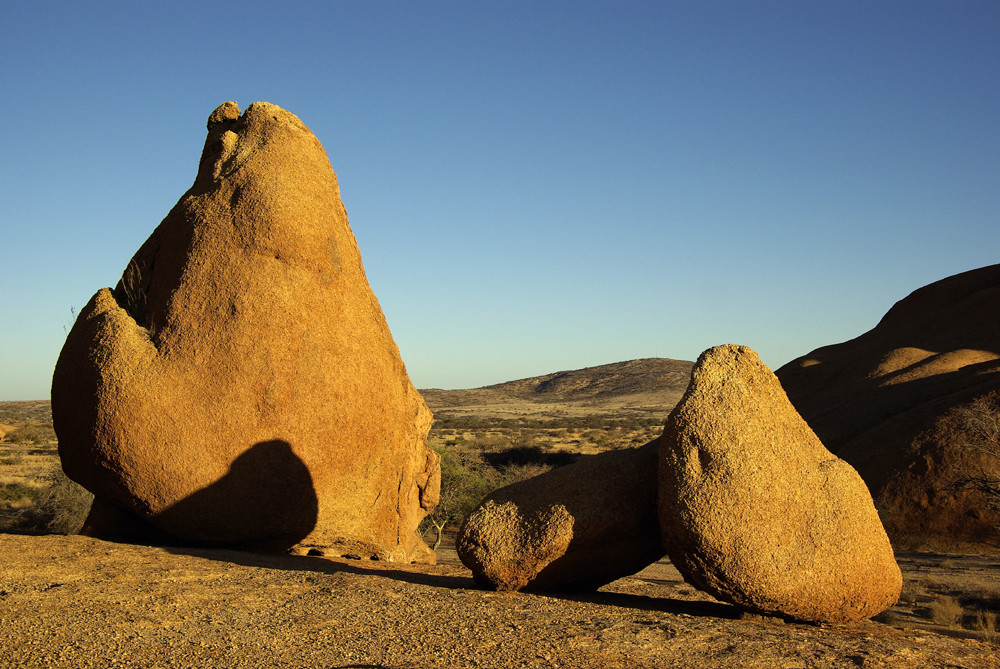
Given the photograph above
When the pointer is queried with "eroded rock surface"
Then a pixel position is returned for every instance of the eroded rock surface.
(755, 511)
(506, 546)
(239, 386)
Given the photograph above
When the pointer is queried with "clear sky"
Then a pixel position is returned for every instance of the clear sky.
(534, 186)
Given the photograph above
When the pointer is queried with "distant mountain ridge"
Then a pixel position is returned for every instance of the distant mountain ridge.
(646, 378)
(630, 377)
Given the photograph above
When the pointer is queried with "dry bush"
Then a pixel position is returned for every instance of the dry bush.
(985, 590)
(986, 622)
(946, 611)
(32, 434)
(11, 458)
(18, 494)
(910, 593)
(522, 472)
(61, 506)
(490, 441)
(528, 456)
(981, 420)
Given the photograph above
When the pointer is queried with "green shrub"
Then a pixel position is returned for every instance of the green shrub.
(466, 478)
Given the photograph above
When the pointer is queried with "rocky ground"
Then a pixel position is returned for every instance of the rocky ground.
(70, 601)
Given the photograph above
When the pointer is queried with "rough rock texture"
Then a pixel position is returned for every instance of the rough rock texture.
(755, 511)
(239, 386)
(891, 401)
(506, 547)
(577, 527)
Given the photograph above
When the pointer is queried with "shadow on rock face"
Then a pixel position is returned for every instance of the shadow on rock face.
(265, 502)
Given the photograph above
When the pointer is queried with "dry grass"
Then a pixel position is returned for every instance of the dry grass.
(986, 623)
(10, 458)
(953, 594)
(946, 611)
(550, 435)
(35, 495)
(18, 495)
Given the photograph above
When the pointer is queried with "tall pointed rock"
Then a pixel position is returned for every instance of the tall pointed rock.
(240, 386)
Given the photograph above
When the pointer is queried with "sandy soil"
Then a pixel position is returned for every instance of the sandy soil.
(79, 602)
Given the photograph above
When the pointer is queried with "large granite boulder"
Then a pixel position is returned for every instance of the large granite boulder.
(894, 402)
(239, 386)
(576, 527)
(755, 511)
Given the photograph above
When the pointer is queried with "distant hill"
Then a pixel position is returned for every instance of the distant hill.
(648, 385)
(631, 377)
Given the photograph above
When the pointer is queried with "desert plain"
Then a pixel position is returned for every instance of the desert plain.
(75, 601)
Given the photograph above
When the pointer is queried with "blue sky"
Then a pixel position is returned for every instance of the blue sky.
(534, 186)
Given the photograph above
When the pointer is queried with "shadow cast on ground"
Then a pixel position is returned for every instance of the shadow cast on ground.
(697, 609)
(324, 565)
(331, 566)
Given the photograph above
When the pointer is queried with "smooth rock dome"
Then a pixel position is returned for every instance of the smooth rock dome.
(894, 402)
